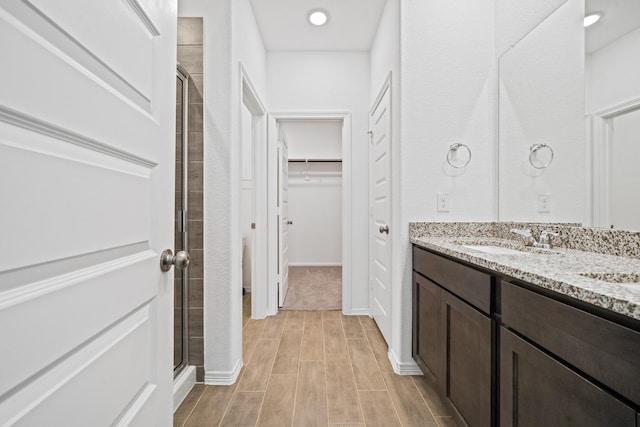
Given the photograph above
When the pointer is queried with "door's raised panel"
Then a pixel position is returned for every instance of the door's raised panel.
(73, 206)
(93, 34)
(467, 343)
(427, 325)
(44, 316)
(98, 366)
(59, 89)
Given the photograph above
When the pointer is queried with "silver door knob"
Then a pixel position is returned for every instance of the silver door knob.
(289, 222)
(180, 260)
(384, 229)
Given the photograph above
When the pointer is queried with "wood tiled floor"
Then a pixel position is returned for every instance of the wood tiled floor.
(315, 368)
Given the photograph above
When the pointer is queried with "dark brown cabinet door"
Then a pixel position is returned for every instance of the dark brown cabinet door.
(426, 329)
(466, 340)
(536, 390)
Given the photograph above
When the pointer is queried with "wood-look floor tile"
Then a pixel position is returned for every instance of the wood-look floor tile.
(367, 322)
(342, 397)
(211, 407)
(446, 422)
(378, 409)
(277, 409)
(331, 314)
(244, 409)
(259, 367)
(352, 327)
(250, 334)
(346, 425)
(288, 354)
(311, 395)
(364, 365)
(312, 316)
(295, 321)
(334, 342)
(412, 410)
(380, 349)
(427, 388)
(274, 325)
(187, 405)
(312, 340)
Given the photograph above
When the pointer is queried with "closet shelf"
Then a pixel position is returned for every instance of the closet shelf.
(315, 160)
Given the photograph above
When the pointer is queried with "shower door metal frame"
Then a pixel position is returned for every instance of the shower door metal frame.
(182, 223)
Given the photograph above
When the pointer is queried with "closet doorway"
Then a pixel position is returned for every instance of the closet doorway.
(310, 208)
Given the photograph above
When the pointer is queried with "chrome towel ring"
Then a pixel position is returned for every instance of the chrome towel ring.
(540, 149)
(457, 160)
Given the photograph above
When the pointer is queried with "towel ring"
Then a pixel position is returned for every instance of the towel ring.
(534, 149)
(454, 163)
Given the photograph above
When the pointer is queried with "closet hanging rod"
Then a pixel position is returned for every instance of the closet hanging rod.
(315, 160)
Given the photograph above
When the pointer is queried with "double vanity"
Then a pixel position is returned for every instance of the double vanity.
(520, 335)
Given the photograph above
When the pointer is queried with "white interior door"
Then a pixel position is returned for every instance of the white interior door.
(284, 220)
(87, 113)
(380, 188)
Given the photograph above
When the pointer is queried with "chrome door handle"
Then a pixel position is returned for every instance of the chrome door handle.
(289, 222)
(384, 229)
(168, 259)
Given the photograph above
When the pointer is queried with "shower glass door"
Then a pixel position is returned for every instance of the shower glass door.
(181, 323)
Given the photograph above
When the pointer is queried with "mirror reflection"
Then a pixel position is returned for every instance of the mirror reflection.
(594, 178)
(612, 71)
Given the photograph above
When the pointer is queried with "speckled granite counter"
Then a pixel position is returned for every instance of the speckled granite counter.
(561, 269)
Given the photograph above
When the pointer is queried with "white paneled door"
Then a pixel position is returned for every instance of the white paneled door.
(87, 116)
(284, 221)
(380, 188)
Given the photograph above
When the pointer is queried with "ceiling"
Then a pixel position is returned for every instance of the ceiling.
(284, 26)
(620, 17)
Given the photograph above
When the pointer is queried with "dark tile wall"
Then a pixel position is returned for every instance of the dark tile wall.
(190, 57)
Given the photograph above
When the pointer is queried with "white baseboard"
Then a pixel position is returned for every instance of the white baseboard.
(315, 264)
(403, 368)
(357, 312)
(182, 385)
(223, 378)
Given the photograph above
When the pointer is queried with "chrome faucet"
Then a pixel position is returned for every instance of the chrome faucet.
(529, 240)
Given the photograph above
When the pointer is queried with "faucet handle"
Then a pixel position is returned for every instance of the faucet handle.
(545, 236)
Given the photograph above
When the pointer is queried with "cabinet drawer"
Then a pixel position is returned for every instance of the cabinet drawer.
(536, 390)
(602, 349)
(471, 285)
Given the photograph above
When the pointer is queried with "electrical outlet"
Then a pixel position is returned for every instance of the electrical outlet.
(443, 202)
(544, 202)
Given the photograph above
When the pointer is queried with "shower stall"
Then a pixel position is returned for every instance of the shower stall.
(181, 235)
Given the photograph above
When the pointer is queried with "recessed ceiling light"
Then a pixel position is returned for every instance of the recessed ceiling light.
(592, 18)
(318, 17)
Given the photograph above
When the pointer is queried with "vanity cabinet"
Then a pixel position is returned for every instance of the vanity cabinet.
(452, 338)
(508, 353)
(569, 367)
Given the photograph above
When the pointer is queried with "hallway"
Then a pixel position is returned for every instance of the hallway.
(314, 368)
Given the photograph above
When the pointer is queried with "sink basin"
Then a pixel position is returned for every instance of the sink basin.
(496, 250)
(500, 247)
(614, 277)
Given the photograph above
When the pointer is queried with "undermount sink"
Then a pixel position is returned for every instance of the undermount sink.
(614, 277)
(501, 247)
(497, 250)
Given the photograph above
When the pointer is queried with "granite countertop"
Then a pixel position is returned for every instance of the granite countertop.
(557, 269)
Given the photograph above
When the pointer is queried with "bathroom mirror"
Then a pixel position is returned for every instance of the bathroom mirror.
(593, 178)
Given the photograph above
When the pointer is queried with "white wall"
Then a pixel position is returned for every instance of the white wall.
(332, 81)
(231, 35)
(615, 73)
(542, 101)
(315, 204)
(447, 61)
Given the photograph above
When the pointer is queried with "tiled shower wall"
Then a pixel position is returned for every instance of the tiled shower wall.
(190, 56)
